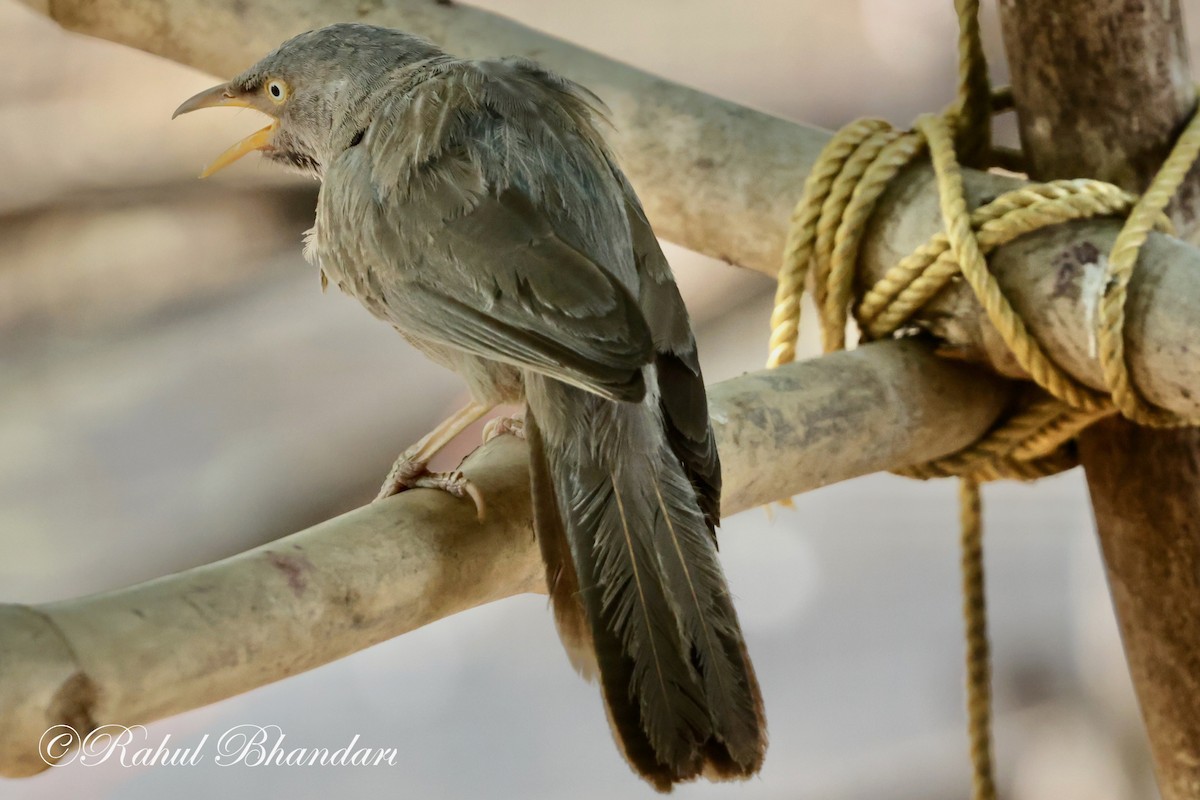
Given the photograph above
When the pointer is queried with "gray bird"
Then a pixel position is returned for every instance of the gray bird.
(475, 207)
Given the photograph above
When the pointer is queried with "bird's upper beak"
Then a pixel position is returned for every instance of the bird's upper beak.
(224, 95)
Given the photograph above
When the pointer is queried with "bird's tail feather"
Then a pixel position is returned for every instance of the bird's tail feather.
(637, 590)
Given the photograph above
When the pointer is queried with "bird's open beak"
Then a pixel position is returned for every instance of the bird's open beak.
(223, 95)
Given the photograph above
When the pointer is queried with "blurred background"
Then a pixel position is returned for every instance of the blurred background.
(175, 388)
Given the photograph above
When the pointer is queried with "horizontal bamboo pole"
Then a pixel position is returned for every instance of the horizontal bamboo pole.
(713, 175)
(198, 636)
(1054, 279)
(722, 179)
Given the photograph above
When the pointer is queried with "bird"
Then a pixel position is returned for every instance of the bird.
(475, 206)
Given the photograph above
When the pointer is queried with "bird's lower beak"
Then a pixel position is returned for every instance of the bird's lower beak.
(259, 140)
(223, 95)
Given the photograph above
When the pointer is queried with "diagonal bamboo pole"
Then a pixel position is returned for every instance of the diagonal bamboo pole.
(189, 639)
(1102, 89)
(722, 179)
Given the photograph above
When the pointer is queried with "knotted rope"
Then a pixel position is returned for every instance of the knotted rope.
(1036, 439)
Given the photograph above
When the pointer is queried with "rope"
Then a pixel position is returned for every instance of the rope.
(972, 110)
(825, 236)
(1120, 269)
(979, 669)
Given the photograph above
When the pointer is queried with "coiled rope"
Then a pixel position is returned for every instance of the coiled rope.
(823, 243)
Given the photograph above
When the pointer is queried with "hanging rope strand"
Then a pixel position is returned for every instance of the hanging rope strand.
(979, 669)
(972, 112)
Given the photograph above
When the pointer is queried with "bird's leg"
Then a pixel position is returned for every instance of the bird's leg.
(411, 470)
(502, 425)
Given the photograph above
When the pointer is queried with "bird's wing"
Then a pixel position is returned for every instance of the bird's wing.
(681, 391)
(460, 209)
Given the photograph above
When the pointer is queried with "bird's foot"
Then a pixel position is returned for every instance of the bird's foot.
(499, 426)
(408, 473)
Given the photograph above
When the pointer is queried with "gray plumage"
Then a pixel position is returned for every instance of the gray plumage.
(474, 206)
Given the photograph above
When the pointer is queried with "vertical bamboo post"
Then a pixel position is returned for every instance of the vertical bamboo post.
(1102, 88)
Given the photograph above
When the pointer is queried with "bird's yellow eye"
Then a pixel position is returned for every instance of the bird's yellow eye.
(277, 90)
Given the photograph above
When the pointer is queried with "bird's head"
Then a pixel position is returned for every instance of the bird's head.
(315, 87)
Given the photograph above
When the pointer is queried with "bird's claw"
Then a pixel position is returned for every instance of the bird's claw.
(456, 484)
(401, 476)
(415, 475)
(502, 425)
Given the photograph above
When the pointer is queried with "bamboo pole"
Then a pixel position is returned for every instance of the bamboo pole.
(198, 636)
(1102, 88)
(722, 179)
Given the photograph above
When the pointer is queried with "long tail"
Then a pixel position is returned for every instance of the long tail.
(638, 593)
